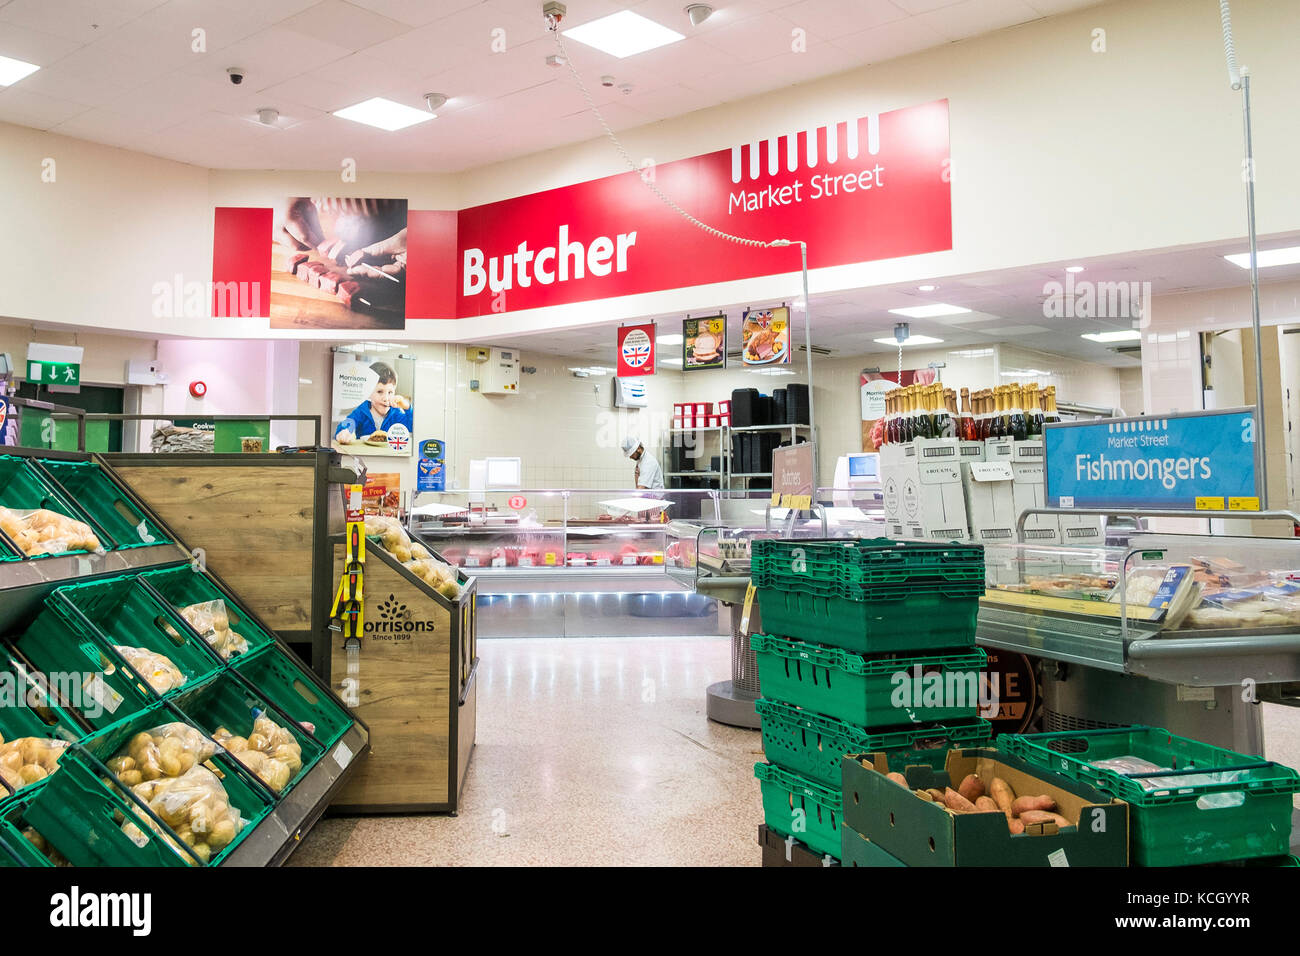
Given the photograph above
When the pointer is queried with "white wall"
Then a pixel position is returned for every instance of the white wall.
(1038, 176)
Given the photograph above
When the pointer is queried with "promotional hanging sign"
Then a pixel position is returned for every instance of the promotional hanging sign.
(704, 343)
(430, 470)
(765, 337)
(1194, 461)
(636, 350)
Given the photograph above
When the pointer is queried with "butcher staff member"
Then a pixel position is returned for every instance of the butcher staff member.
(648, 474)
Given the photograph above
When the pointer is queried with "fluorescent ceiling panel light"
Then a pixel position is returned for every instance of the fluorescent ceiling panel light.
(910, 340)
(1267, 257)
(1119, 335)
(623, 34)
(11, 70)
(1074, 268)
(927, 288)
(384, 114)
(929, 311)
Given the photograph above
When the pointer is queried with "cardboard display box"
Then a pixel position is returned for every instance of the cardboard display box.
(923, 489)
(920, 833)
(857, 850)
(990, 501)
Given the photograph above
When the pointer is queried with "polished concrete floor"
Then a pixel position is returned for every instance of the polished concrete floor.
(589, 752)
(599, 752)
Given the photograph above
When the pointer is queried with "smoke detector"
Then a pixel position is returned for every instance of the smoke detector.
(267, 116)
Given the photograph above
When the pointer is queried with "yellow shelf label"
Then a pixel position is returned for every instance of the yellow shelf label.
(801, 502)
(1243, 504)
(776, 499)
(1210, 504)
(1047, 602)
(749, 606)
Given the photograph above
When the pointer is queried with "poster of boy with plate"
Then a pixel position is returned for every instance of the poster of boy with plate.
(372, 414)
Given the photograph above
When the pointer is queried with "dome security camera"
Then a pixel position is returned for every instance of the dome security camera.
(236, 75)
(434, 101)
(698, 13)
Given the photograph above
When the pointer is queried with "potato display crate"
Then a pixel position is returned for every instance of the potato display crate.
(798, 807)
(104, 691)
(183, 585)
(866, 561)
(285, 682)
(30, 712)
(22, 488)
(1204, 805)
(857, 850)
(228, 700)
(897, 618)
(870, 693)
(15, 849)
(87, 774)
(918, 832)
(101, 498)
(811, 744)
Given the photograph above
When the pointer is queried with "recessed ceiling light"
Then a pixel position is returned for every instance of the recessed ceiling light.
(673, 339)
(623, 34)
(385, 114)
(927, 288)
(11, 71)
(910, 340)
(1267, 257)
(1074, 268)
(1119, 335)
(929, 311)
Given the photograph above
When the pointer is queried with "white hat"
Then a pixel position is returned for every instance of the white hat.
(630, 444)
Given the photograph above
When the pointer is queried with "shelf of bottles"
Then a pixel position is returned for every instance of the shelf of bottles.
(1016, 411)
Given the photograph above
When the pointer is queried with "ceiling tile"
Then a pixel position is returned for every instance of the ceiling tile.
(65, 82)
(828, 19)
(32, 109)
(1053, 7)
(42, 49)
(105, 126)
(79, 20)
(923, 6)
(890, 40)
(417, 13)
(756, 38)
(342, 24)
(271, 57)
(974, 17)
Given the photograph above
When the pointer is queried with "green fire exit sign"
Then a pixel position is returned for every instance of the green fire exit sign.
(53, 373)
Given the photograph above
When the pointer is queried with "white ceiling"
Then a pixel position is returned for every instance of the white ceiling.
(123, 72)
(1008, 306)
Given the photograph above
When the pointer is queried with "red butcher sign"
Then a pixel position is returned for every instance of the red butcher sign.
(872, 187)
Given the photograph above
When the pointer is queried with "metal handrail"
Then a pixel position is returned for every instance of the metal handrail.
(1271, 514)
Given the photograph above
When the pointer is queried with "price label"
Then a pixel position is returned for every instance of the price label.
(748, 608)
(1210, 504)
(801, 502)
(776, 499)
(354, 503)
(550, 559)
(1243, 504)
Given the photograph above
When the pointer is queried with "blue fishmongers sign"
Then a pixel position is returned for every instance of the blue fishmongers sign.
(1195, 461)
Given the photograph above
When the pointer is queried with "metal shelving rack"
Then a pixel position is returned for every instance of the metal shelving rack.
(726, 475)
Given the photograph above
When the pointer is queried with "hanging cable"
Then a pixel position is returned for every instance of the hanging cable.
(1225, 20)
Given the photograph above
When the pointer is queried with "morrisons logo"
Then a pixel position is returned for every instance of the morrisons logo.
(394, 618)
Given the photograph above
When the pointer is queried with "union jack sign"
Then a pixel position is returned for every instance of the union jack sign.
(636, 350)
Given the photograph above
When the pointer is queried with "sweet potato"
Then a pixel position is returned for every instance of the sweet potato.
(986, 805)
(1021, 804)
(956, 802)
(1035, 817)
(925, 795)
(1014, 825)
(971, 787)
(1002, 794)
(898, 778)
(936, 795)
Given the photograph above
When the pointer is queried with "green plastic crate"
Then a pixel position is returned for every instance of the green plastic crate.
(31, 712)
(290, 686)
(900, 619)
(875, 693)
(100, 497)
(867, 561)
(1177, 825)
(228, 700)
(87, 773)
(104, 691)
(182, 586)
(810, 744)
(857, 850)
(15, 849)
(123, 611)
(23, 488)
(798, 807)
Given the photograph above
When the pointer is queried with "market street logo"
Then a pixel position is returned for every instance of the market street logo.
(76, 909)
(1095, 300)
(395, 622)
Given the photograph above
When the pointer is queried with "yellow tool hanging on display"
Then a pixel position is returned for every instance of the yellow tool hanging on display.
(349, 600)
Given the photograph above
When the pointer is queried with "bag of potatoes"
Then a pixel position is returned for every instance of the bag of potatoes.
(47, 532)
(168, 750)
(25, 760)
(212, 622)
(270, 751)
(157, 669)
(197, 809)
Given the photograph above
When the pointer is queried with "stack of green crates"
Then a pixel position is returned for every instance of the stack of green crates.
(78, 631)
(869, 648)
(1203, 805)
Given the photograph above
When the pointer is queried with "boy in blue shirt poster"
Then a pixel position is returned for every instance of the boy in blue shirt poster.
(382, 419)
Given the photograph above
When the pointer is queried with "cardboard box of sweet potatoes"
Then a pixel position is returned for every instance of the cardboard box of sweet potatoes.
(984, 808)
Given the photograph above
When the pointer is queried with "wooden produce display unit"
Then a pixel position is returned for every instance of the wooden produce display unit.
(263, 522)
(413, 685)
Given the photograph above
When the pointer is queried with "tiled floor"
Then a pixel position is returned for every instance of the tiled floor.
(589, 752)
(599, 752)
